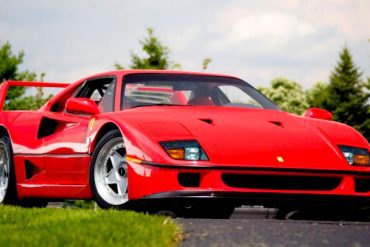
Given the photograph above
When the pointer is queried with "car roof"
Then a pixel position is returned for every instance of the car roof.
(147, 71)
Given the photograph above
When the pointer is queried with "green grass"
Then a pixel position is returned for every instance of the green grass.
(84, 227)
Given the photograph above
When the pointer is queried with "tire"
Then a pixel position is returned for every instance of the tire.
(8, 192)
(108, 172)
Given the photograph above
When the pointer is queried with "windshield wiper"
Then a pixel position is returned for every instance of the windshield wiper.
(159, 104)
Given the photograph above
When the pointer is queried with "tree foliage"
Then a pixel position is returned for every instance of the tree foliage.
(317, 94)
(9, 70)
(346, 95)
(156, 55)
(156, 51)
(288, 94)
(206, 62)
(28, 102)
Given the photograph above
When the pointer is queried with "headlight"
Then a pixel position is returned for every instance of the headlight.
(184, 150)
(356, 156)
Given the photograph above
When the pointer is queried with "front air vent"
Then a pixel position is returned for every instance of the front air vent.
(362, 184)
(281, 182)
(188, 179)
(207, 120)
(277, 123)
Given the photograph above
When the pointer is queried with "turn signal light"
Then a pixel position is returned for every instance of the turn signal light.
(133, 159)
(177, 154)
(362, 160)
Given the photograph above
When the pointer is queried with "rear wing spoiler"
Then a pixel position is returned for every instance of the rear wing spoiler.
(5, 86)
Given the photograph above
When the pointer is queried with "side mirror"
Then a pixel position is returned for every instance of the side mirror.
(318, 113)
(82, 106)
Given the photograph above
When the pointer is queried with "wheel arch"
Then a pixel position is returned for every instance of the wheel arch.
(102, 131)
(4, 131)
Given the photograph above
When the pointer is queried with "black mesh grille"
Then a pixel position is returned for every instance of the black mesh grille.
(281, 182)
(189, 179)
(362, 184)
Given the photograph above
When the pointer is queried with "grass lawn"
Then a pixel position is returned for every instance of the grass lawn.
(84, 227)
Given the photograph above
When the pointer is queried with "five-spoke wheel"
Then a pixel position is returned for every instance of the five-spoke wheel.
(108, 171)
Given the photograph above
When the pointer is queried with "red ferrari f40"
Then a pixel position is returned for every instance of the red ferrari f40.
(200, 143)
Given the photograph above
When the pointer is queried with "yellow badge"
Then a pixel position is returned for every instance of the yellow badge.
(91, 123)
(280, 159)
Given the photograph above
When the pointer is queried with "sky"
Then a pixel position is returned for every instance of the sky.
(254, 40)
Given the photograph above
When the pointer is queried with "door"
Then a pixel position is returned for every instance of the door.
(61, 170)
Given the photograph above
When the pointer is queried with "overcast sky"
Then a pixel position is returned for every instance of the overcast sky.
(255, 40)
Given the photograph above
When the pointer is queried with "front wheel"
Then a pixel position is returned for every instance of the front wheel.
(108, 171)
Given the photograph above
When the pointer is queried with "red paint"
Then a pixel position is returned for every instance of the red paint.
(82, 106)
(318, 113)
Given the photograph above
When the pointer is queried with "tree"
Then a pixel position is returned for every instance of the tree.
(157, 55)
(9, 70)
(206, 62)
(288, 94)
(317, 94)
(347, 96)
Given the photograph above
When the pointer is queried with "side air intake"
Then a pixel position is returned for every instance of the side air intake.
(47, 127)
(31, 169)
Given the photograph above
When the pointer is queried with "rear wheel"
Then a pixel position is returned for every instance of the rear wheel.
(8, 194)
(108, 171)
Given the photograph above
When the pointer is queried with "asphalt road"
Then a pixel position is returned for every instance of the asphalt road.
(255, 227)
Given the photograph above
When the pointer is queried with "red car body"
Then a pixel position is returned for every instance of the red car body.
(255, 156)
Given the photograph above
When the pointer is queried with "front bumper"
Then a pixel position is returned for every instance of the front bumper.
(249, 185)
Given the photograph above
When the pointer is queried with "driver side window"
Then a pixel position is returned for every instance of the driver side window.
(100, 90)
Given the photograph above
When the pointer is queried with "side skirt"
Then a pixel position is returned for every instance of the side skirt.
(53, 176)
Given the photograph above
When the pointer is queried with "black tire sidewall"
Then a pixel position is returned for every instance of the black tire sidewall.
(11, 192)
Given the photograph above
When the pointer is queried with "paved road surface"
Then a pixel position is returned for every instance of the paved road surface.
(254, 227)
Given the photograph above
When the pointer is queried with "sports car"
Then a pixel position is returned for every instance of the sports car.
(198, 142)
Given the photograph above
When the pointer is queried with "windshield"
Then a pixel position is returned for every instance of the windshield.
(197, 90)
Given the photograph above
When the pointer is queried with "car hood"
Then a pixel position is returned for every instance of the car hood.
(239, 136)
